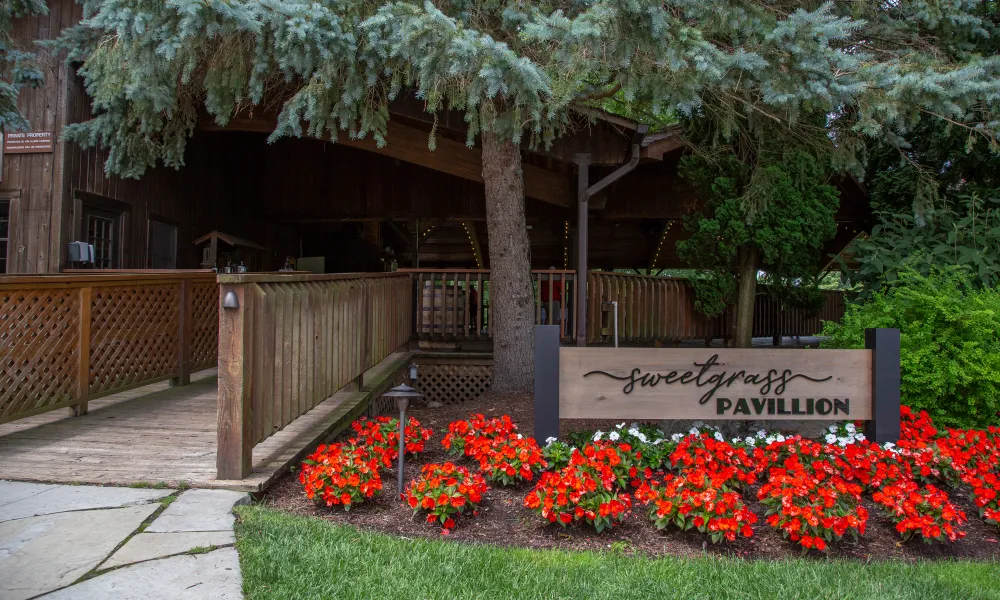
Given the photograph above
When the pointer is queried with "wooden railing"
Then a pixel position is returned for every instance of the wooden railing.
(67, 339)
(649, 308)
(288, 342)
(662, 309)
(452, 305)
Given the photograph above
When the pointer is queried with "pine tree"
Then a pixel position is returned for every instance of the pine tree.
(748, 70)
(18, 64)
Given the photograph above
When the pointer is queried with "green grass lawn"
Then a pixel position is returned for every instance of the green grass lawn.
(286, 556)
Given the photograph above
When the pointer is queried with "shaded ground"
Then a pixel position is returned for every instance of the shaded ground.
(504, 521)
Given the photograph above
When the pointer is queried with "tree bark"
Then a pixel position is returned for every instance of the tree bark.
(511, 297)
(746, 291)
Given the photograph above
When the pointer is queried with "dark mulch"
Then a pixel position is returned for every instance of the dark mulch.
(504, 521)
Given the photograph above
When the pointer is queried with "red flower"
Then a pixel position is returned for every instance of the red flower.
(445, 491)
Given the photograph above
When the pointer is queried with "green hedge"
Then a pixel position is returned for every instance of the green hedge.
(950, 343)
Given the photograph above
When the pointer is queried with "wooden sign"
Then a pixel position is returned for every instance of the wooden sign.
(714, 383)
(760, 384)
(29, 142)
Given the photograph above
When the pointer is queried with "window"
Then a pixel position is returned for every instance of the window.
(162, 245)
(103, 231)
(4, 233)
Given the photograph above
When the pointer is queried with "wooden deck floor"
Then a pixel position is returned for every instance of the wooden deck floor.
(157, 434)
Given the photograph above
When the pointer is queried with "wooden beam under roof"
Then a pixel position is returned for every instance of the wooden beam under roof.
(410, 144)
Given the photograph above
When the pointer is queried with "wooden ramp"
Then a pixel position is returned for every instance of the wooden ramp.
(160, 434)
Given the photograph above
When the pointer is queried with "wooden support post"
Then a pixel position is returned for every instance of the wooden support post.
(183, 335)
(583, 182)
(83, 358)
(235, 440)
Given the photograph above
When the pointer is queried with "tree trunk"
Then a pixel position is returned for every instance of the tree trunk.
(511, 297)
(745, 292)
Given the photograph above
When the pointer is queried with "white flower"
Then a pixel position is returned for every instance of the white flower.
(850, 428)
(620, 425)
(677, 437)
(831, 439)
(843, 441)
(860, 437)
(762, 434)
(833, 429)
(779, 438)
(634, 431)
(520, 437)
(769, 440)
(736, 441)
(597, 436)
(693, 431)
(718, 436)
(613, 436)
(549, 440)
(750, 441)
(642, 437)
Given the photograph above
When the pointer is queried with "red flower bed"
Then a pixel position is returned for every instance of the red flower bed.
(444, 491)
(462, 436)
(699, 499)
(811, 505)
(704, 451)
(381, 436)
(340, 474)
(925, 511)
(614, 465)
(575, 494)
(510, 459)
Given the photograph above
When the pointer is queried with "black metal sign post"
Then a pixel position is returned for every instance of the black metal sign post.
(546, 382)
(883, 426)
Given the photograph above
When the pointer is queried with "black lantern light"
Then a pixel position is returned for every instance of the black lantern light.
(402, 393)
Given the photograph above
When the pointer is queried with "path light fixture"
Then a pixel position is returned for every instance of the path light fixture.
(402, 393)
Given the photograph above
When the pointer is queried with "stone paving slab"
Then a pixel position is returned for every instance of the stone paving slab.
(147, 546)
(200, 510)
(13, 491)
(34, 499)
(211, 576)
(44, 553)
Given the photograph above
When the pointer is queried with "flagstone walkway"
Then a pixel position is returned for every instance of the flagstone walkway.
(90, 542)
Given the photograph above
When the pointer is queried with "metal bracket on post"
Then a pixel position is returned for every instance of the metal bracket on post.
(546, 382)
(884, 425)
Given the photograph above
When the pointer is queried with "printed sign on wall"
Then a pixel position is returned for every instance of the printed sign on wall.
(29, 142)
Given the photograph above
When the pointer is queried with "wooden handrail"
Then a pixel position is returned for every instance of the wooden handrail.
(292, 277)
(74, 280)
(292, 342)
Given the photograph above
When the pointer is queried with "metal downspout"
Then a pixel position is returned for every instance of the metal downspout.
(583, 165)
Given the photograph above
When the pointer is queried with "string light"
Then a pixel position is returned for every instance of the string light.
(659, 246)
(566, 245)
(472, 243)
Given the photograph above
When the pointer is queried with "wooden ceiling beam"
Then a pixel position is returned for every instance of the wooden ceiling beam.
(410, 144)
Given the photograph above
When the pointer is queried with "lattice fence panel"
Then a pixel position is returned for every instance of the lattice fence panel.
(453, 383)
(38, 348)
(203, 347)
(133, 335)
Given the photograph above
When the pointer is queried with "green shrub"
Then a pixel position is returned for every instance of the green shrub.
(950, 343)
